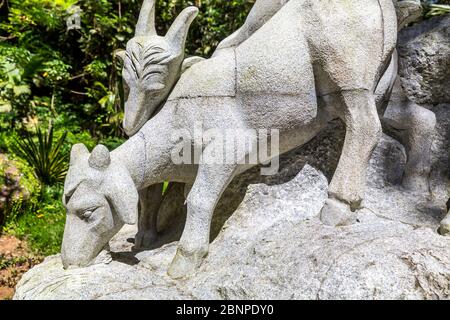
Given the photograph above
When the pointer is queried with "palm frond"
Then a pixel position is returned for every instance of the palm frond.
(43, 154)
(437, 10)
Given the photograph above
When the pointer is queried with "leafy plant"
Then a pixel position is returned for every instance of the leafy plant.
(437, 10)
(44, 155)
(40, 224)
(17, 69)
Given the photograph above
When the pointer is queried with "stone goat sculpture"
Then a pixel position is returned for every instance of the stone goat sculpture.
(294, 66)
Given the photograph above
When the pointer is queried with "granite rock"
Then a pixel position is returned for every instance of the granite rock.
(276, 247)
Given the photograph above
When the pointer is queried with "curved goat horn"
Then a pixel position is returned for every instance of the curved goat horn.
(178, 32)
(146, 23)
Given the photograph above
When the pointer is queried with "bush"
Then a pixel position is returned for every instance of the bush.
(44, 155)
(112, 143)
(40, 223)
(435, 8)
(17, 188)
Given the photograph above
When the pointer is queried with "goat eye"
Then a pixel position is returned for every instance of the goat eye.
(87, 214)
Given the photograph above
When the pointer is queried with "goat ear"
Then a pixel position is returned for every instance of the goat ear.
(78, 151)
(124, 197)
(178, 32)
(120, 54)
(76, 174)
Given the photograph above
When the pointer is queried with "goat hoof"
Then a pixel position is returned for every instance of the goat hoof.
(444, 228)
(417, 183)
(144, 240)
(337, 213)
(185, 263)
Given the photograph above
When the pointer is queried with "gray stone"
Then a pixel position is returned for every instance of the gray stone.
(424, 51)
(275, 247)
(202, 81)
(440, 170)
(408, 11)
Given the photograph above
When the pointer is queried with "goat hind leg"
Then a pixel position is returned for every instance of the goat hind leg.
(444, 228)
(414, 126)
(149, 203)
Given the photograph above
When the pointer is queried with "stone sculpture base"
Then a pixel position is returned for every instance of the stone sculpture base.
(275, 247)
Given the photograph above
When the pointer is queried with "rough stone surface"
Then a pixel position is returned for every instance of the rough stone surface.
(440, 151)
(275, 247)
(424, 51)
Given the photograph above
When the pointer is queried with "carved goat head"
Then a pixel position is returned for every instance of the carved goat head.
(152, 64)
(100, 197)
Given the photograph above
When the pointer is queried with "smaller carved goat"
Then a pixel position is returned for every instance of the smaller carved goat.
(152, 65)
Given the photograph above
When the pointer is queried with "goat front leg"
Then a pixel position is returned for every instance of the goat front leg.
(211, 181)
(363, 131)
(149, 202)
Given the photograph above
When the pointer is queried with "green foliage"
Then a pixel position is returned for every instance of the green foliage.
(434, 8)
(6, 262)
(112, 142)
(38, 215)
(28, 180)
(40, 223)
(44, 155)
(17, 67)
(437, 10)
(79, 137)
(18, 185)
(6, 139)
